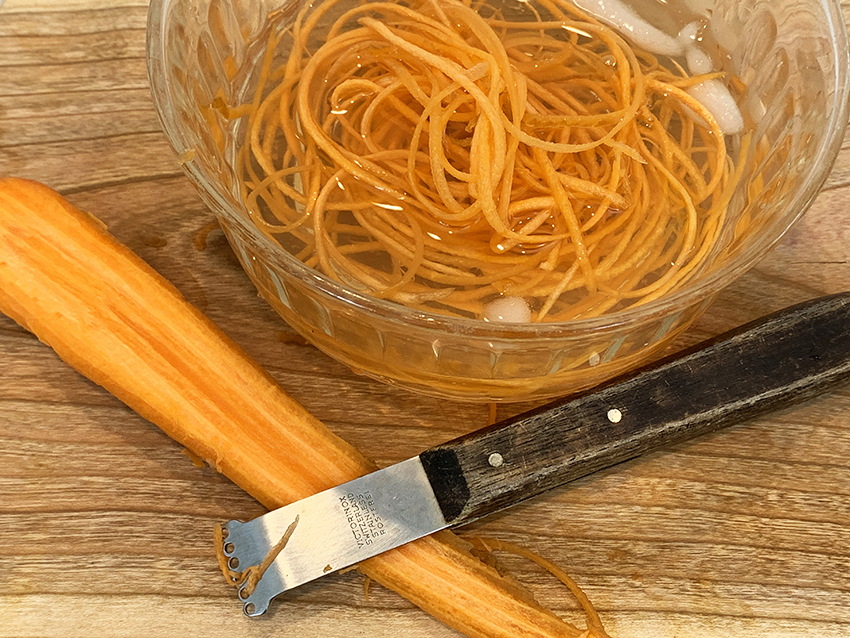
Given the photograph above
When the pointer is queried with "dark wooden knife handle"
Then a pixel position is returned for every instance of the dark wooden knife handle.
(773, 362)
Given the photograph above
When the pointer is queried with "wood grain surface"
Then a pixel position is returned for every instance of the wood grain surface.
(106, 524)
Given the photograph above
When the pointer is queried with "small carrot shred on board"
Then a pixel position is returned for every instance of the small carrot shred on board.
(131, 331)
(490, 545)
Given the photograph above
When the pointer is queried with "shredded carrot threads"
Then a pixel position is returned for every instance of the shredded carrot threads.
(438, 153)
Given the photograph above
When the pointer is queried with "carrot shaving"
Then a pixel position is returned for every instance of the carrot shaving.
(252, 574)
(231, 576)
(197, 461)
(490, 545)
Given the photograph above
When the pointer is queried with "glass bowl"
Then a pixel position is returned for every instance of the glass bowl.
(791, 58)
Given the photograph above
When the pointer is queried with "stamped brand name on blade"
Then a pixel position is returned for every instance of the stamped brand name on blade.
(329, 531)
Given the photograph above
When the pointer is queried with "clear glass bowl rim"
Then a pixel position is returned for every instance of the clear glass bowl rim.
(703, 289)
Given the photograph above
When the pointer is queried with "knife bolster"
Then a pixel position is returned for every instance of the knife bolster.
(445, 474)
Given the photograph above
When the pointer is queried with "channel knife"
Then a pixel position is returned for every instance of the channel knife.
(773, 362)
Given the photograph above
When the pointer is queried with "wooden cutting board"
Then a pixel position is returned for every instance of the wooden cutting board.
(106, 524)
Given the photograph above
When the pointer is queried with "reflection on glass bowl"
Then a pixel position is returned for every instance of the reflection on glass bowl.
(790, 78)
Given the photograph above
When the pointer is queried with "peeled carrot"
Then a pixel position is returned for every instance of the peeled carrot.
(122, 325)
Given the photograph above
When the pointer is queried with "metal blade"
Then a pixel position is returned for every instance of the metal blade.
(335, 529)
